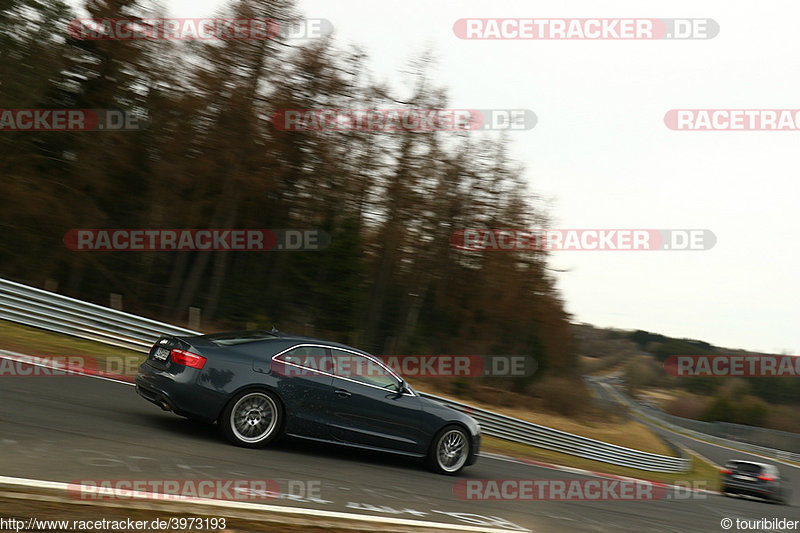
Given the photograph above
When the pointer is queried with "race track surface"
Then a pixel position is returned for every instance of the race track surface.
(73, 428)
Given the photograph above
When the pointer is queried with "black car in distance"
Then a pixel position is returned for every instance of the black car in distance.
(754, 479)
(259, 385)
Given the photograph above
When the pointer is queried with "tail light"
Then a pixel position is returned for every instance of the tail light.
(765, 477)
(726, 471)
(192, 360)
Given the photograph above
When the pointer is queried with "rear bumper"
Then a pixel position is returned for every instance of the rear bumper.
(154, 397)
(178, 393)
(750, 489)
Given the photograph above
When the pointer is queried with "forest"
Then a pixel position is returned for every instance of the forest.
(209, 157)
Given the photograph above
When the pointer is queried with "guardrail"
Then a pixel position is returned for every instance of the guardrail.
(48, 310)
(516, 430)
(55, 312)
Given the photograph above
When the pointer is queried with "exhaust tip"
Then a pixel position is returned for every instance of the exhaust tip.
(165, 406)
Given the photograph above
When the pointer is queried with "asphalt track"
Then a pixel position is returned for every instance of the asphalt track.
(72, 428)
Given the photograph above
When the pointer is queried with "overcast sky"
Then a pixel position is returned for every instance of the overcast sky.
(602, 156)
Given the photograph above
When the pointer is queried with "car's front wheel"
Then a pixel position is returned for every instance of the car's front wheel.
(252, 419)
(449, 450)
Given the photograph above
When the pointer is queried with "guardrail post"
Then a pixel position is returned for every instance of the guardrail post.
(194, 318)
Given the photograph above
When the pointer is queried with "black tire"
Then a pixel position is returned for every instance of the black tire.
(449, 450)
(252, 419)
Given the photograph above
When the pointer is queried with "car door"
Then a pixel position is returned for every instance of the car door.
(368, 407)
(304, 384)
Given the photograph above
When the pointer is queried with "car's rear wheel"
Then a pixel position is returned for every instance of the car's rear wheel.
(449, 450)
(252, 419)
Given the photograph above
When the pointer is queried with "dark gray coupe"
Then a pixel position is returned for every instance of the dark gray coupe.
(258, 385)
(754, 479)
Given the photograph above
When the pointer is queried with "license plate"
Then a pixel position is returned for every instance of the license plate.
(161, 354)
(746, 478)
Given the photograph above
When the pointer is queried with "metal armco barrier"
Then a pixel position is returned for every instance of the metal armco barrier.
(516, 430)
(48, 310)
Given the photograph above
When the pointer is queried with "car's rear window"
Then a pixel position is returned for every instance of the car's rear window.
(240, 337)
(747, 468)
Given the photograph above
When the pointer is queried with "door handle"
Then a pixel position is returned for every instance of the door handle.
(343, 393)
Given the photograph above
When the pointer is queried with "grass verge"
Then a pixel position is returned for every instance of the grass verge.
(35, 341)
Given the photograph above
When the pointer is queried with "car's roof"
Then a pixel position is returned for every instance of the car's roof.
(748, 462)
(232, 338)
(300, 338)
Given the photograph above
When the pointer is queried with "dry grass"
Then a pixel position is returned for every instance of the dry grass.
(616, 430)
(34, 341)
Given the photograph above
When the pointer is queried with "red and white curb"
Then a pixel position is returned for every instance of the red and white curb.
(44, 362)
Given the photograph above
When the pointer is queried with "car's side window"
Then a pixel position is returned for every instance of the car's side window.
(309, 357)
(363, 369)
